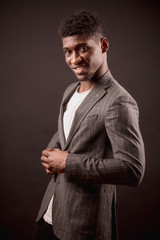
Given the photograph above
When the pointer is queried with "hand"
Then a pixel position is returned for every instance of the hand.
(54, 160)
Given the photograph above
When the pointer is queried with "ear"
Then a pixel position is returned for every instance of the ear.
(104, 44)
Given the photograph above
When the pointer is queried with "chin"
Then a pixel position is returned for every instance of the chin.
(83, 78)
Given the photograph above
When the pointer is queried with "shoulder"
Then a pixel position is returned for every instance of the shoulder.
(117, 92)
(114, 89)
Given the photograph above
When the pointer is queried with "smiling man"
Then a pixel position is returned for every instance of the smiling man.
(98, 144)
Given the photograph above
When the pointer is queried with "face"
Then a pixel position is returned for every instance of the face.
(85, 56)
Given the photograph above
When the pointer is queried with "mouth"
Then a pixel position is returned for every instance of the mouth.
(80, 69)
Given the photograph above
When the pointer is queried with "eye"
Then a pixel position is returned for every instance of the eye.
(84, 49)
(67, 52)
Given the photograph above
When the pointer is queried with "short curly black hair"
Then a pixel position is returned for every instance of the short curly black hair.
(82, 21)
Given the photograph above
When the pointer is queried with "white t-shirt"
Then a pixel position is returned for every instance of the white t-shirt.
(72, 106)
(74, 102)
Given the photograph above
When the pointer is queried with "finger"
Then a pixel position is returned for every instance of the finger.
(45, 165)
(44, 159)
(45, 153)
(49, 172)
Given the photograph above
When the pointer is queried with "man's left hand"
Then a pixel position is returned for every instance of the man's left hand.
(54, 160)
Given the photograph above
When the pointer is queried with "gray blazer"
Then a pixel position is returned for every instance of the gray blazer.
(105, 149)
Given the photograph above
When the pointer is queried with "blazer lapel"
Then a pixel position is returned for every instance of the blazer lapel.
(92, 98)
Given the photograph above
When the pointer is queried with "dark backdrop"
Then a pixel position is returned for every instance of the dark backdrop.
(33, 76)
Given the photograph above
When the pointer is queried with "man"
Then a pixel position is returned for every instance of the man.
(98, 143)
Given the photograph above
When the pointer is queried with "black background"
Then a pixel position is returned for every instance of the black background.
(33, 77)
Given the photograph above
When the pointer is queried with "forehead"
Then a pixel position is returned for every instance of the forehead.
(71, 41)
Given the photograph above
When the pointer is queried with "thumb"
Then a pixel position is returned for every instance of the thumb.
(50, 149)
(56, 149)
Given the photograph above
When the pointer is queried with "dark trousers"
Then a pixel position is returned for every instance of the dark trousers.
(44, 231)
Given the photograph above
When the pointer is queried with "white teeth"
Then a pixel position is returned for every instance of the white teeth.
(79, 69)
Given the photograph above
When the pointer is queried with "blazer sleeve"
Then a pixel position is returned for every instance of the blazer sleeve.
(54, 142)
(128, 162)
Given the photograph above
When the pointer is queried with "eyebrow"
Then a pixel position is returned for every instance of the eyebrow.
(76, 46)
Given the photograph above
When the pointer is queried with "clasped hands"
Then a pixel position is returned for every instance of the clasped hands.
(54, 160)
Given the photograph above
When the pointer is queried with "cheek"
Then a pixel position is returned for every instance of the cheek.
(97, 60)
(67, 60)
(96, 56)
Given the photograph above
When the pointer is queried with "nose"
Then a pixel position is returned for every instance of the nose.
(75, 58)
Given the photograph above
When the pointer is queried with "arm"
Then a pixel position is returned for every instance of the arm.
(127, 163)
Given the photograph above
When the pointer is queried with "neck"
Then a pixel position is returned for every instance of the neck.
(86, 85)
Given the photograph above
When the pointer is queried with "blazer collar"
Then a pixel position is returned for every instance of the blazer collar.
(92, 98)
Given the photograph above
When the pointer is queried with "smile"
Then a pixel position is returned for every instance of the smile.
(80, 69)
